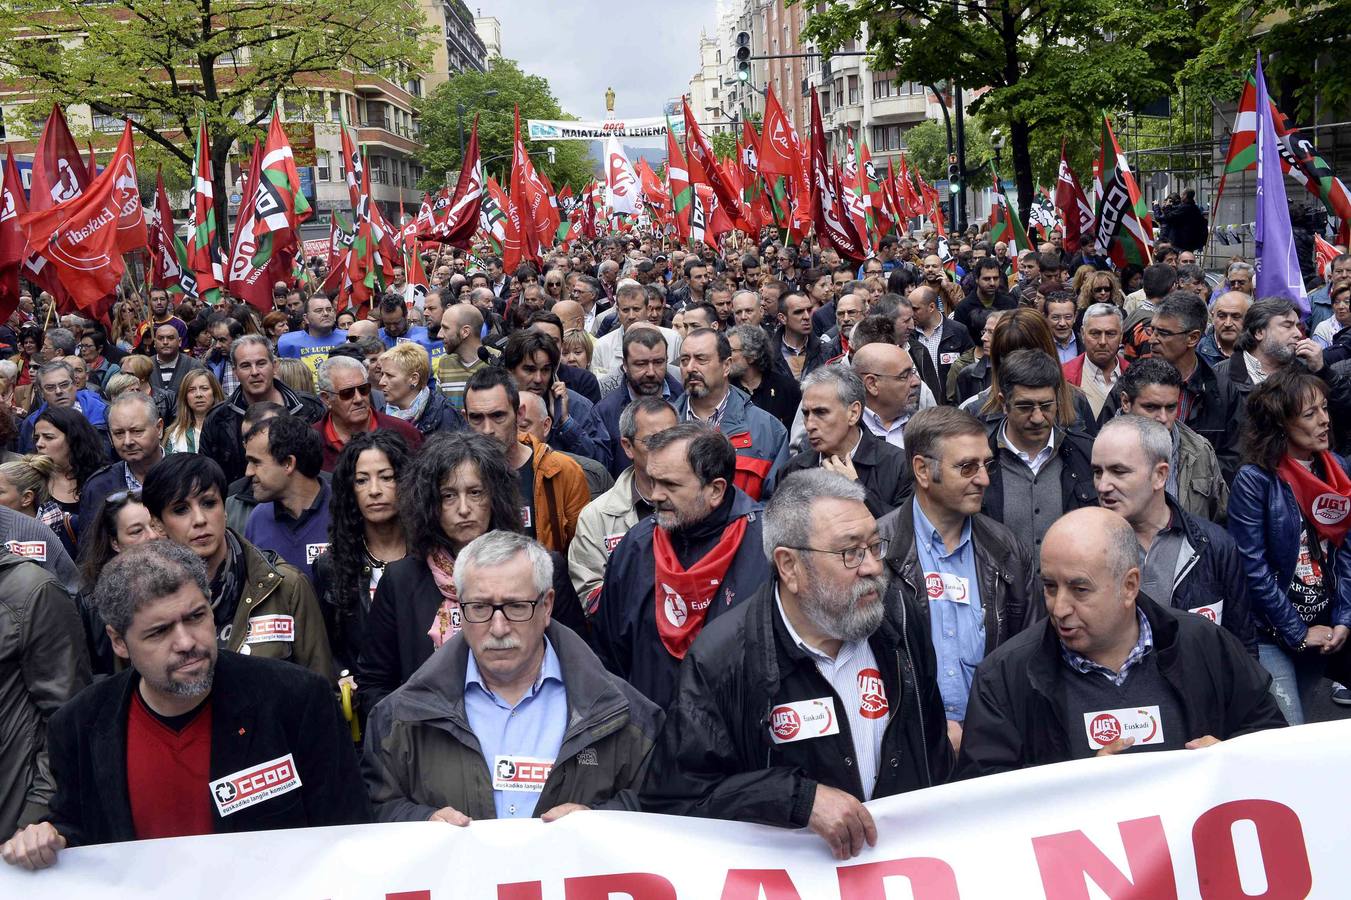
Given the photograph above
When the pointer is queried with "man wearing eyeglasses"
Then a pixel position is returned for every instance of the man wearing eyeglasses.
(814, 695)
(514, 718)
(1043, 467)
(891, 384)
(56, 384)
(972, 576)
(345, 390)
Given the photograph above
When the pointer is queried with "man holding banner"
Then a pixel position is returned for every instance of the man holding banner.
(188, 740)
(1109, 669)
(812, 696)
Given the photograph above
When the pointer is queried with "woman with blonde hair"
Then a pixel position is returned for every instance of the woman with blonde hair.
(126, 319)
(295, 375)
(1097, 287)
(405, 378)
(23, 488)
(576, 348)
(198, 392)
(143, 367)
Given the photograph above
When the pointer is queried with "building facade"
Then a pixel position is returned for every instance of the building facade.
(461, 48)
(489, 30)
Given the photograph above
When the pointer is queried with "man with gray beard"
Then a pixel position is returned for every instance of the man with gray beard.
(814, 695)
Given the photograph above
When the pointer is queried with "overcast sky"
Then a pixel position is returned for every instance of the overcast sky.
(647, 50)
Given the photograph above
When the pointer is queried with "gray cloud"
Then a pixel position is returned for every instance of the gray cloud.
(647, 51)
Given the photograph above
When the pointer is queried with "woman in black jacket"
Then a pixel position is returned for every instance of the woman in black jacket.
(457, 488)
(405, 380)
(365, 536)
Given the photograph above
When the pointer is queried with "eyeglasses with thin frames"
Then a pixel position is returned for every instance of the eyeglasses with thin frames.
(966, 469)
(852, 557)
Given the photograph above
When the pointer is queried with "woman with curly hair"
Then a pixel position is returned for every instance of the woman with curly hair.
(457, 488)
(1097, 286)
(365, 536)
(76, 451)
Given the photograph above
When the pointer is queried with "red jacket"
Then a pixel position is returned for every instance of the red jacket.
(1074, 369)
(332, 448)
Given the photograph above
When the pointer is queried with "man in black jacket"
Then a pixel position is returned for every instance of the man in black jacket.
(256, 366)
(187, 740)
(1188, 563)
(990, 293)
(832, 410)
(971, 577)
(814, 695)
(1109, 669)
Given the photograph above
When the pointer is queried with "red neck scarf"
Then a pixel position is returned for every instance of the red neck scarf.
(1326, 504)
(683, 596)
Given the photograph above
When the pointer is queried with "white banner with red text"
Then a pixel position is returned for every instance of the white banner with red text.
(1261, 816)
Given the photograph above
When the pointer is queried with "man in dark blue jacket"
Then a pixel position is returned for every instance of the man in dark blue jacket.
(1188, 562)
(694, 560)
(644, 376)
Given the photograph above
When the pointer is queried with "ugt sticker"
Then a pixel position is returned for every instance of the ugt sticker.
(1213, 611)
(251, 786)
(271, 628)
(803, 720)
(1142, 723)
(312, 552)
(521, 773)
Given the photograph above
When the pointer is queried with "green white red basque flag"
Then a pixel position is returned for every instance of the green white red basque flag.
(255, 262)
(1298, 158)
(1004, 223)
(1124, 228)
(203, 246)
(492, 218)
(280, 203)
(678, 181)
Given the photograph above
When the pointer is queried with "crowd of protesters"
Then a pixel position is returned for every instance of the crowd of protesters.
(756, 534)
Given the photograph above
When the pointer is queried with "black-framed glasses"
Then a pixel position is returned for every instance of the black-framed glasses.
(347, 393)
(513, 610)
(852, 557)
(1164, 332)
(966, 469)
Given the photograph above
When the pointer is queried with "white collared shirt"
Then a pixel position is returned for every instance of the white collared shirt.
(1042, 457)
(1256, 373)
(845, 673)
(893, 434)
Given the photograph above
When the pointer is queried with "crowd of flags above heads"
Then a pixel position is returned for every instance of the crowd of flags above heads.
(69, 233)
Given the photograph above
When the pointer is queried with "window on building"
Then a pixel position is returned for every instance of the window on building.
(887, 138)
(107, 124)
(322, 163)
(293, 107)
(884, 85)
(839, 92)
(853, 90)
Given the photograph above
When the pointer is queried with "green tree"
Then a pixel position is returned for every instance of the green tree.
(1050, 66)
(492, 96)
(163, 64)
(1299, 40)
(724, 144)
(926, 147)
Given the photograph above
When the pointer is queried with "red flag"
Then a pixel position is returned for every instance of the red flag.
(704, 168)
(80, 236)
(12, 240)
(1070, 200)
(59, 174)
(779, 148)
(462, 217)
(519, 208)
(1324, 253)
(165, 268)
(828, 211)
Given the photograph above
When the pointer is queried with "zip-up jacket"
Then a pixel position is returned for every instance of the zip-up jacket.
(1014, 718)
(421, 753)
(601, 526)
(1265, 522)
(760, 441)
(715, 757)
(221, 439)
(1006, 574)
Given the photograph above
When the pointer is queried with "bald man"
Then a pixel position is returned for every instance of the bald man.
(572, 315)
(362, 328)
(1226, 324)
(891, 385)
(944, 339)
(1109, 670)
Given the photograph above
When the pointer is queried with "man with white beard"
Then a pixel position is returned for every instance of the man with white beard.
(784, 710)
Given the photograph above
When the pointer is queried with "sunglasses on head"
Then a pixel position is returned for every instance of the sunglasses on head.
(348, 393)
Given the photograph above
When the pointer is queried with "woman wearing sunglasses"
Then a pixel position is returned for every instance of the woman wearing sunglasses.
(122, 521)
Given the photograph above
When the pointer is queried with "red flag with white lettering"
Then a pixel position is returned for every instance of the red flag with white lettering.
(80, 236)
(12, 240)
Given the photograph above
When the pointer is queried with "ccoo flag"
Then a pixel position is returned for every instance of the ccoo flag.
(1277, 265)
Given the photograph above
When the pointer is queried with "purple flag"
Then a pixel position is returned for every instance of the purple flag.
(1277, 265)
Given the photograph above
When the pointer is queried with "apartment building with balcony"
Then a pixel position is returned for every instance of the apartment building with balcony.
(462, 48)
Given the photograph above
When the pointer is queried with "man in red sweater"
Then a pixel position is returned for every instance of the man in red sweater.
(188, 739)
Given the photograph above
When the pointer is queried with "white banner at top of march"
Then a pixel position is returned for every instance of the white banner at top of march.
(1260, 816)
(554, 130)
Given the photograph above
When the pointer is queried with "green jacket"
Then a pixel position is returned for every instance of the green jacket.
(273, 587)
(43, 663)
(421, 755)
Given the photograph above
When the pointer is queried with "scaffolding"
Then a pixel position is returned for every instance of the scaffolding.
(1170, 153)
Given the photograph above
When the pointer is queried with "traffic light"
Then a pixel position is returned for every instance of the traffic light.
(743, 56)
(954, 174)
